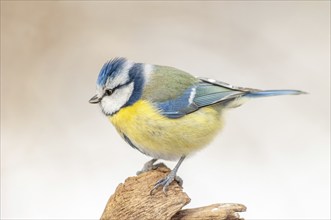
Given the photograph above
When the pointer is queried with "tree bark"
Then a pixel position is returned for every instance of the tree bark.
(132, 200)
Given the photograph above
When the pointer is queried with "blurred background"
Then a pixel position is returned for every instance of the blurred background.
(62, 159)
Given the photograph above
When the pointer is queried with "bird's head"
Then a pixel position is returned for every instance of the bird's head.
(120, 83)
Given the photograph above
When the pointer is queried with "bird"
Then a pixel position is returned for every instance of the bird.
(167, 113)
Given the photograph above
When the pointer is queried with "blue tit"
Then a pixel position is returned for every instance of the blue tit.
(164, 112)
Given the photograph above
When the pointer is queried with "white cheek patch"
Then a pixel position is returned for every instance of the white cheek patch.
(122, 77)
(114, 102)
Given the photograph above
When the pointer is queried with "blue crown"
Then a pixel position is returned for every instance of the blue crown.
(111, 68)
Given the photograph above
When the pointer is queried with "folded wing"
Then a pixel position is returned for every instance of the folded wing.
(202, 94)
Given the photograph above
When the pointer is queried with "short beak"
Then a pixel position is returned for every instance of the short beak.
(95, 99)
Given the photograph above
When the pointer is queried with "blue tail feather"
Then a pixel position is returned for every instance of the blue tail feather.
(265, 93)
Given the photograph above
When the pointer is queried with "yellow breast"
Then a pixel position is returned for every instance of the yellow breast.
(164, 138)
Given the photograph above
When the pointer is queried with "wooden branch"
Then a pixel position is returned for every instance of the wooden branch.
(212, 212)
(132, 200)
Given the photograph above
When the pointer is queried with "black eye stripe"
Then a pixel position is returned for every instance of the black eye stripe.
(119, 86)
(108, 92)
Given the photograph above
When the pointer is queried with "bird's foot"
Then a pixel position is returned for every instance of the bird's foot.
(150, 166)
(165, 182)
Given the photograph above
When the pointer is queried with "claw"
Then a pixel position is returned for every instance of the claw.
(165, 182)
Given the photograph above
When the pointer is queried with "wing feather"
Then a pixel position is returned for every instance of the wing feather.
(177, 93)
(199, 95)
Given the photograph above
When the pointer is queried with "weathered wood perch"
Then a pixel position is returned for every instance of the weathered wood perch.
(132, 200)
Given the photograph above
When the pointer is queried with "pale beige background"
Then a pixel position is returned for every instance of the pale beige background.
(60, 158)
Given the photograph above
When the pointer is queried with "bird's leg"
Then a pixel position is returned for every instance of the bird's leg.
(149, 166)
(165, 182)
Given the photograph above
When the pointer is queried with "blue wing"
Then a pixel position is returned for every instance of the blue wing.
(208, 92)
(203, 93)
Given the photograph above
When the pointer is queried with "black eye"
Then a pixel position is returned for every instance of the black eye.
(108, 92)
